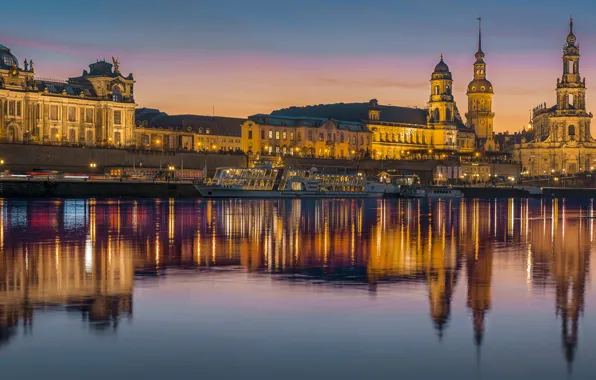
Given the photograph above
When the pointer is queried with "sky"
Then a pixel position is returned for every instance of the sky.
(240, 57)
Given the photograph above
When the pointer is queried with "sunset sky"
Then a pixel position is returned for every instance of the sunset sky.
(245, 57)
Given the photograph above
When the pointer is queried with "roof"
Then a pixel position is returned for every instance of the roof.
(56, 87)
(357, 112)
(301, 121)
(218, 125)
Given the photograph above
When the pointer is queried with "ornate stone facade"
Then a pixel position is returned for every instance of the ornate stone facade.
(561, 140)
(94, 108)
(480, 97)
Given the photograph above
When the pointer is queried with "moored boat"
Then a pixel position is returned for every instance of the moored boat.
(269, 182)
(430, 192)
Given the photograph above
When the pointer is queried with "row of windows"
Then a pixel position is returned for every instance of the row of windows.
(13, 108)
(401, 138)
(86, 114)
(321, 136)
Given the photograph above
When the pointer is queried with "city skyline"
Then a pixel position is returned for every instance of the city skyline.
(241, 60)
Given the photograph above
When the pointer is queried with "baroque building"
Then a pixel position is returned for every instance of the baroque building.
(480, 96)
(94, 108)
(381, 131)
(561, 141)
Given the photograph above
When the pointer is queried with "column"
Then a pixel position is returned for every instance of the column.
(2, 126)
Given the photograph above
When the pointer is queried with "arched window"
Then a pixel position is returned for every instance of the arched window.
(436, 114)
(116, 94)
(448, 114)
(201, 130)
(436, 92)
(207, 131)
(571, 100)
(571, 130)
(250, 134)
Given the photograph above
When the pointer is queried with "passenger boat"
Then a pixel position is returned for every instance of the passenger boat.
(269, 182)
(431, 192)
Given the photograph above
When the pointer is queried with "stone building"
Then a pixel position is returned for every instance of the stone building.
(561, 141)
(305, 137)
(94, 108)
(480, 97)
(158, 130)
(381, 131)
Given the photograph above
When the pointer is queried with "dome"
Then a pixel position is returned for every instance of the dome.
(6, 58)
(480, 85)
(441, 67)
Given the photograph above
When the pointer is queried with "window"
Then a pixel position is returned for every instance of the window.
(284, 150)
(436, 92)
(89, 115)
(250, 134)
(53, 112)
(270, 134)
(361, 140)
(341, 137)
(309, 135)
(571, 99)
(436, 115)
(276, 150)
(277, 135)
(262, 134)
(72, 114)
(571, 130)
(299, 136)
(72, 136)
(11, 108)
(18, 108)
(117, 117)
(292, 136)
(354, 140)
(208, 131)
(116, 94)
(321, 136)
(285, 135)
(201, 130)
(89, 137)
(118, 138)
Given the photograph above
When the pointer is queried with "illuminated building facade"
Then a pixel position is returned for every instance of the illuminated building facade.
(305, 137)
(94, 108)
(480, 97)
(158, 130)
(561, 142)
(394, 132)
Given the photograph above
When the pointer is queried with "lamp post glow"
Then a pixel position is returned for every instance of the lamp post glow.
(92, 165)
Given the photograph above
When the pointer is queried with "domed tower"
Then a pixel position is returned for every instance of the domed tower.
(571, 94)
(7, 60)
(441, 107)
(480, 98)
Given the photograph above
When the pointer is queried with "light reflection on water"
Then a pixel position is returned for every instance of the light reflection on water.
(350, 288)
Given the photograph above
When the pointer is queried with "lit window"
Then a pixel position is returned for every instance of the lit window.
(207, 131)
(270, 134)
(54, 112)
(292, 136)
(11, 108)
(277, 135)
(72, 114)
(285, 135)
(18, 108)
(89, 115)
(117, 117)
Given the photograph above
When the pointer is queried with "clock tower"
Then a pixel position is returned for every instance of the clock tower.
(480, 96)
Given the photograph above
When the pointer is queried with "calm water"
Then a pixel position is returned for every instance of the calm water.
(297, 289)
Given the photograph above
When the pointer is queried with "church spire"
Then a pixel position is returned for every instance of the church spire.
(479, 54)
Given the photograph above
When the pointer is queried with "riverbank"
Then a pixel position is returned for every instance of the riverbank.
(116, 188)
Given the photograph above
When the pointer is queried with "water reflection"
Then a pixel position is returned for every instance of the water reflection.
(84, 255)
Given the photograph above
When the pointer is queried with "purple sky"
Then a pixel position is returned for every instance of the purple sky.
(248, 57)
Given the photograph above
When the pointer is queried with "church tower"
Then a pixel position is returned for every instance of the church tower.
(571, 94)
(480, 98)
(441, 108)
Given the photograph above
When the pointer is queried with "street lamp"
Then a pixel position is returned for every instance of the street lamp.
(92, 165)
(1, 162)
